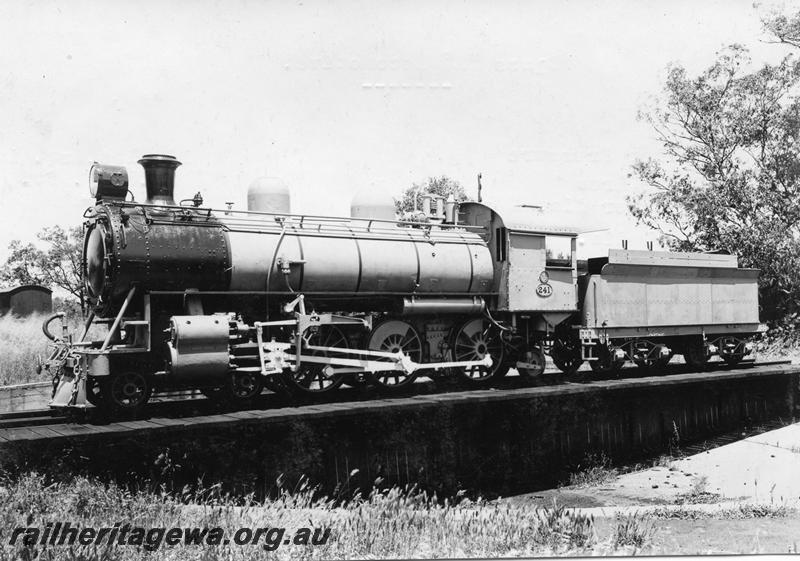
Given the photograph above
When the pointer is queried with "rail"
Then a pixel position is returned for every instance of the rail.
(186, 402)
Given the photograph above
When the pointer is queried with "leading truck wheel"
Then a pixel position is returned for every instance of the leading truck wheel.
(242, 386)
(126, 392)
(93, 391)
(393, 336)
(239, 387)
(473, 341)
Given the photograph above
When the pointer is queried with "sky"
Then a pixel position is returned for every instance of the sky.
(341, 97)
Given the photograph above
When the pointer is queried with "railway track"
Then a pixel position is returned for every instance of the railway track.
(185, 404)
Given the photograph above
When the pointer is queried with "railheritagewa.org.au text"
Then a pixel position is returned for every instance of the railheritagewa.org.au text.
(56, 534)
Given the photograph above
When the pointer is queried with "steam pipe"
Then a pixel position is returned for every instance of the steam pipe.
(118, 319)
(46, 326)
(427, 306)
(87, 325)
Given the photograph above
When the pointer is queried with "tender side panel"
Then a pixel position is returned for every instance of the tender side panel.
(735, 302)
(652, 296)
(671, 259)
(670, 301)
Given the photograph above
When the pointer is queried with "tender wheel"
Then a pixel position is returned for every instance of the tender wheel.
(605, 368)
(733, 360)
(473, 341)
(311, 377)
(126, 392)
(664, 360)
(393, 336)
(696, 353)
(727, 350)
(536, 361)
(605, 363)
(566, 355)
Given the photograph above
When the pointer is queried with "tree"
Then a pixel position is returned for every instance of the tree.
(411, 198)
(57, 266)
(729, 175)
(786, 29)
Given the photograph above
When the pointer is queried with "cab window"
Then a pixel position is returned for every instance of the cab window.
(501, 243)
(558, 250)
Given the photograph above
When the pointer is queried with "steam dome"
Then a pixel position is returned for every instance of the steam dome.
(369, 204)
(269, 194)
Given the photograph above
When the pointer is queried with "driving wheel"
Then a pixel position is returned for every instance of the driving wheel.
(310, 377)
(473, 341)
(393, 336)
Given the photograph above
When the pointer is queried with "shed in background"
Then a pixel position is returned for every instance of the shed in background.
(26, 300)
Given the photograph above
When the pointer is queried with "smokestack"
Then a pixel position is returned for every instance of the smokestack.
(159, 177)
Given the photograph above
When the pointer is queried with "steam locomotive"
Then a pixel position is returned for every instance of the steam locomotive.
(232, 301)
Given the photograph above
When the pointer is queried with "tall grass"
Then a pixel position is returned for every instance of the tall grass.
(398, 523)
(22, 344)
(633, 530)
(594, 470)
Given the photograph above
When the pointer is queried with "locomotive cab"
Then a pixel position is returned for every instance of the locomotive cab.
(535, 263)
(535, 281)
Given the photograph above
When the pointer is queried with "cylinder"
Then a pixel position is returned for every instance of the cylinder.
(199, 347)
(159, 177)
(442, 306)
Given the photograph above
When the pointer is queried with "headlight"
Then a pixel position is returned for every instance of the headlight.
(108, 182)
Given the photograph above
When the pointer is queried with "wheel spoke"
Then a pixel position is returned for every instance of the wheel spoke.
(394, 336)
(473, 341)
(312, 378)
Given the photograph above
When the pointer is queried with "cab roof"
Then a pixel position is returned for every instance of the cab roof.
(528, 219)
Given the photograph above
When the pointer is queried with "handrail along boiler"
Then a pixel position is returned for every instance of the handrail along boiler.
(230, 301)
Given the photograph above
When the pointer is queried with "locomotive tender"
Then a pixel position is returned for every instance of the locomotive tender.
(232, 301)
